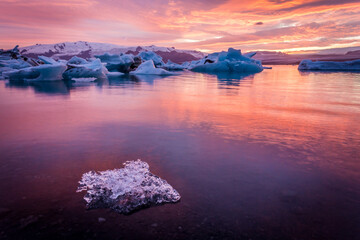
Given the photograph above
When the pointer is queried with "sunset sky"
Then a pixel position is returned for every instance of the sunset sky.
(209, 25)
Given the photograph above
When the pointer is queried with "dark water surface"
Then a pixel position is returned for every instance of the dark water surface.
(274, 155)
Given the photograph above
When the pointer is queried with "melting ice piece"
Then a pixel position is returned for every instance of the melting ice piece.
(126, 189)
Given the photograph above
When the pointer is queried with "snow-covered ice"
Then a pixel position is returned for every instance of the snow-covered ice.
(126, 189)
(329, 65)
(230, 61)
(148, 67)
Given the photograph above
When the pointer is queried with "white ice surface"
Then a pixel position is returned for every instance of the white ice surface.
(126, 189)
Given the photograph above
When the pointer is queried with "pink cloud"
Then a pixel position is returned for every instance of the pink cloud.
(212, 24)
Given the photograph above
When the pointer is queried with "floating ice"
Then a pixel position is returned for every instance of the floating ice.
(173, 66)
(14, 64)
(329, 65)
(46, 72)
(48, 60)
(230, 61)
(150, 55)
(118, 63)
(77, 60)
(126, 189)
(149, 68)
(94, 69)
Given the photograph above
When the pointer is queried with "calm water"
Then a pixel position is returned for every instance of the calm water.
(274, 155)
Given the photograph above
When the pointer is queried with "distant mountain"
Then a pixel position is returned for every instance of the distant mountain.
(83, 49)
(268, 57)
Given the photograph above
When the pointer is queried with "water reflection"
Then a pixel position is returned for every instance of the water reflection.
(66, 86)
(273, 155)
(51, 87)
(134, 79)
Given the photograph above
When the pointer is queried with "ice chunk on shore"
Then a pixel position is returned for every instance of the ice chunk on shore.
(94, 69)
(149, 55)
(126, 189)
(148, 67)
(46, 72)
(231, 61)
(329, 65)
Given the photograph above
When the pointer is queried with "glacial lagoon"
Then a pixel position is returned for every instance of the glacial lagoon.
(274, 155)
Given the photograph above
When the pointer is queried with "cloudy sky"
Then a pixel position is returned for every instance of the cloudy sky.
(211, 25)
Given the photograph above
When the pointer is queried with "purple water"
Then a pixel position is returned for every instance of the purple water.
(274, 155)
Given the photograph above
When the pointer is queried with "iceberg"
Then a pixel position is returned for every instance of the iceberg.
(127, 189)
(148, 67)
(77, 60)
(14, 64)
(171, 66)
(231, 61)
(50, 71)
(329, 65)
(119, 63)
(10, 54)
(94, 69)
(150, 55)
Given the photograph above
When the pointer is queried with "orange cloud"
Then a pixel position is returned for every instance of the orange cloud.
(211, 25)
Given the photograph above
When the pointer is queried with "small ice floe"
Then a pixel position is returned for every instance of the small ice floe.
(126, 189)
(89, 79)
(308, 65)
